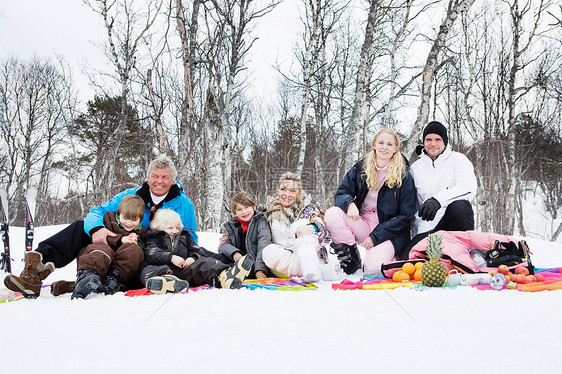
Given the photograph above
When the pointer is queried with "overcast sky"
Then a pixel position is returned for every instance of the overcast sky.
(70, 29)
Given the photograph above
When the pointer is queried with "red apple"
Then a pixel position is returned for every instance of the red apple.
(493, 272)
(531, 278)
(522, 279)
(503, 269)
(539, 277)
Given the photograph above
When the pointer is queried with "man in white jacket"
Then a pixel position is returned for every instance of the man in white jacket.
(445, 185)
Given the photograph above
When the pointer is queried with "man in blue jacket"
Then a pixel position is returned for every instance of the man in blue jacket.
(160, 190)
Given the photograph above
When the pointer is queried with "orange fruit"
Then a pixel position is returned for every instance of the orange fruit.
(408, 268)
(418, 265)
(417, 274)
(400, 276)
(404, 276)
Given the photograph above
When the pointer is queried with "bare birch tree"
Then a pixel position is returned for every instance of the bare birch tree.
(354, 139)
(315, 13)
(455, 7)
(188, 29)
(126, 26)
(227, 44)
(474, 97)
(522, 43)
(34, 100)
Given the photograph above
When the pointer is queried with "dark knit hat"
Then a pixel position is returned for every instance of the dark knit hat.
(435, 127)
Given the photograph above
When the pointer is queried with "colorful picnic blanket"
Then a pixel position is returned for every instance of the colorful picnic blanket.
(7, 295)
(371, 282)
(279, 284)
(552, 281)
(145, 291)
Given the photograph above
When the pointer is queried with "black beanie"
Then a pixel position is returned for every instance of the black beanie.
(435, 127)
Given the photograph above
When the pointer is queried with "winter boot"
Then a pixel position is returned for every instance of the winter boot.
(331, 271)
(61, 287)
(166, 284)
(30, 280)
(87, 281)
(348, 255)
(150, 271)
(111, 283)
(232, 278)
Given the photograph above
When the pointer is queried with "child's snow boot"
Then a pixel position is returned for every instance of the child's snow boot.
(232, 278)
(61, 287)
(348, 255)
(111, 283)
(87, 281)
(166, 284)
(150, 271)
(31, 279)
(331, 271)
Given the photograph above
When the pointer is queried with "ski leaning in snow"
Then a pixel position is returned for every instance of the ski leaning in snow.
(30, 204)
(5, 263)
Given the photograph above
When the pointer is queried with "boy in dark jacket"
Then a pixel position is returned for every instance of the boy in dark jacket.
(103, 267)
(247, 233)
(168, 245)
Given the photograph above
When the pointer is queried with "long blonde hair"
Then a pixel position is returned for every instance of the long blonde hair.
(396, 166)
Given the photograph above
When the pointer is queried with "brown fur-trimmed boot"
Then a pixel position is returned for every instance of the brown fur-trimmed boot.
(31, 279)
(61, 287)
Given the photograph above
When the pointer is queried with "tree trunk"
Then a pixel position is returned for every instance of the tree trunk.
(353, 140)
(428, 76)
(213, 183)
(388, 120)
(309, 65)
(556, 233)
(156, 112)
(188, 45)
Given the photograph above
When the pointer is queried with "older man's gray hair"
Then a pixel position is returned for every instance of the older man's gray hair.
(163, 162)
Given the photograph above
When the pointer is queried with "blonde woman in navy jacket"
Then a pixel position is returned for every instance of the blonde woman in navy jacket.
(375, 205)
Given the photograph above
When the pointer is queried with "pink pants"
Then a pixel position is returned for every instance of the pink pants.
(345, 230)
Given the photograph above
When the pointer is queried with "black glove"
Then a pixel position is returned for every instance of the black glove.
(428, 209)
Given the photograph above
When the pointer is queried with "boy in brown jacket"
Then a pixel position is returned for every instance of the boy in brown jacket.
(103, 267)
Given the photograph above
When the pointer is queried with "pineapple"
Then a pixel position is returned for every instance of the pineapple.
(434, 271)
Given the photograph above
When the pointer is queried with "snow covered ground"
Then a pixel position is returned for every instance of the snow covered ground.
(460, 330)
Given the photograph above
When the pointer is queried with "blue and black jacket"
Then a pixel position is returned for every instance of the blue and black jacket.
(176, 200)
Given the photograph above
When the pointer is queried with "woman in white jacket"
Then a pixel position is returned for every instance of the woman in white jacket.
(297, 232)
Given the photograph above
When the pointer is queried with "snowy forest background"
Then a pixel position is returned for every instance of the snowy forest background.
(177, 81)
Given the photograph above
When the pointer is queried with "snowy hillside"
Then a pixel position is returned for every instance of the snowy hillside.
(460, 330)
